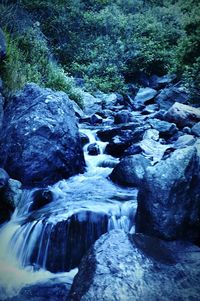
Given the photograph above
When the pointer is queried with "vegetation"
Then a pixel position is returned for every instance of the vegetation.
(107, 42)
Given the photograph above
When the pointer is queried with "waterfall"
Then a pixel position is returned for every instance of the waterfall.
(36, 244)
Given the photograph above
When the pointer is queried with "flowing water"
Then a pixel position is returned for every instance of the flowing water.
(49, 242)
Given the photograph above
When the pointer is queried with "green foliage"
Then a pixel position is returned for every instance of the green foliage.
(107, 42)
(28, 60)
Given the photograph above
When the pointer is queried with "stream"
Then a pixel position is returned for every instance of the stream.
(48, 243)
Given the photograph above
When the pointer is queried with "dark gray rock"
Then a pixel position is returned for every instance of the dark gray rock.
(84, 139)
(122, 116)
(130, 171)
(168, 96)
(166, 129)
(169, 199)
(120, 143)
(107, 134)
(40, 143)
(137, 267)
(183, 115)
(41, 197)
(93, 149)
(95, 119)
(196, 129)
(143, 97)
(186, 130)
(133, 150)
(2, 45)
(51, 290)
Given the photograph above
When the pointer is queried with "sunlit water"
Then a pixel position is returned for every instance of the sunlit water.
(90, 194)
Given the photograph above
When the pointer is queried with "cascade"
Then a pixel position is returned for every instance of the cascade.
(50, 241)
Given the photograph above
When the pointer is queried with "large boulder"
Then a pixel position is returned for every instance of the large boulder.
(169, 199)
(130, 171)
(183, 115)
(143, 97)
(137, 267)
(168, 96)
(91, 104)
(40, 142)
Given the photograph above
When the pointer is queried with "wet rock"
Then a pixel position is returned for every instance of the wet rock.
(95, 119)
(196, 129)
(120, 143)
(186, 130)
(41, 197)
(108, 100)
(184, 141)
(122, 117)
(93, 149)
(150, 109)
(51, 290)
(168, 200)
(84, 139)
(183, 115)
(166, 129)
(12, 193)
(107, 134)
(91, 104)
(40, 143)
(130, 171)
(168, 96)
(137, 267)
(133, 150)
(143, 97)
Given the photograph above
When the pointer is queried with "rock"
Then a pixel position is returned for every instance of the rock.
(51, 290)
(133, 150)
(1, 110)
(78, 111)
(168, 96)
(184, 141)
(84, 139)
(137, 267)
(130, 171)
(40, 143)
(12, 193)
(93, 149)
(166, 129)
(2, 45)
(41, 197)
(160, 82)
(122, 117)
(95, 119)
(196, 129)
(4, 177)
(151, 134)
(144, 97)
(91, 103)
(186, 130)
(120, 143)
(169, 199)
(107, 134)
(150, 109)
(108, 100)
(183, 115)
